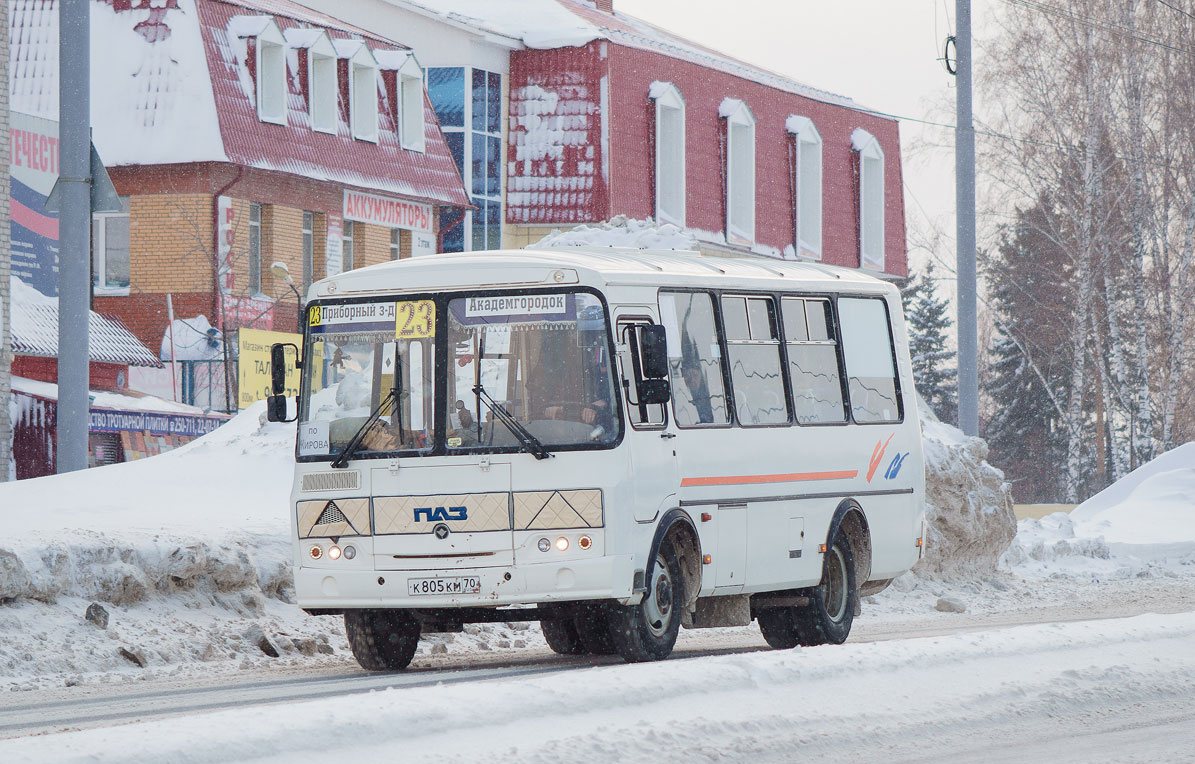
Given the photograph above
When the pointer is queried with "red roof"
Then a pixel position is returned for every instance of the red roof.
(295, 148)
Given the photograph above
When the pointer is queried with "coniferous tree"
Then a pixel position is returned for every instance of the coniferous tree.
(928, 319)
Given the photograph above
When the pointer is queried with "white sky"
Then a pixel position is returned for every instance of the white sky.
(881, 53)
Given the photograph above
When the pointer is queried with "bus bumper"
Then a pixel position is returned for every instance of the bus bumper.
(607, 577)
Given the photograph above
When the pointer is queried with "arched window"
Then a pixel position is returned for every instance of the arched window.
(362, 71)
(670, 153)
(740, 171)
(871, 199)
(807, 183)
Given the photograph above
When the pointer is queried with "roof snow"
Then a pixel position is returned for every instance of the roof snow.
(540, 24)
(35, 331)
(621, 231)
(861, 140)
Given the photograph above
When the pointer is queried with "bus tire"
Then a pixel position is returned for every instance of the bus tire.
(647, 631)
(562, 636)
(779, 628)
(382, 640)
(827, 619)
(593, 626)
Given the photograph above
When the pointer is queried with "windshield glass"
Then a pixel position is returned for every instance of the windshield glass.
(357, 354)
(542, 357)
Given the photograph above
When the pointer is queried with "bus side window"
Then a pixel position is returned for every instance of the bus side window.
(694, 359)
(629, 361)
(813, 361)
(753, 344)
(870, 368)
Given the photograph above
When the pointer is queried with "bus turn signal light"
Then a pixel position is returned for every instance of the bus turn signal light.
(584, 542)
(919, 542)
(707, 559)
(706, 517)
(316, 552)
(821, 548)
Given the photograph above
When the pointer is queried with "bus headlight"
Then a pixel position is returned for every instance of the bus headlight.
(584, 543)
(544, 545)
(350, 552)
(562, 543)
(333, 552)
(316, 552)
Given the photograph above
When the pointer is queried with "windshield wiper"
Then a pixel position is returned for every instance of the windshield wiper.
(530, 443)
(350, 448)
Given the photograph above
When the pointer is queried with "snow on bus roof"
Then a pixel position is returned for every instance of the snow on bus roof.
(532, 267)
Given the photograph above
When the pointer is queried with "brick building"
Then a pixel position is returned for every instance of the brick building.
(243, 133)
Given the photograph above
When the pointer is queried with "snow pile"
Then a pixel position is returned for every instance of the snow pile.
(968, 503)
(1142, 525)
(621, 231)
(195, 339)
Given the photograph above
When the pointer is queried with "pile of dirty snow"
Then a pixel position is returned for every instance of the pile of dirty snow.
(968, 503)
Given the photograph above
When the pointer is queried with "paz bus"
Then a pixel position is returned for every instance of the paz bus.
(615, 443)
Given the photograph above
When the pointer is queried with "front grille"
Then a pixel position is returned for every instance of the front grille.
(338, 480)
(331, 514)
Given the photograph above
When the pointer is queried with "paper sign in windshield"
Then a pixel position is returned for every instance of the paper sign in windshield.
(313, 438)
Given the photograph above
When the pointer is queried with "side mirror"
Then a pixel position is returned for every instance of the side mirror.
(278, 366)
(653, 391)
(277, 408)
(653, 348)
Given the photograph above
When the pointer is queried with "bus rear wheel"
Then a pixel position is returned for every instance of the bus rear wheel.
(382, 640)
(562, 636)
(828, 617)
(647, 631)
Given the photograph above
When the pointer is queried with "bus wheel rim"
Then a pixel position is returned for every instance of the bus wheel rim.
(835, 588)
(657, 604)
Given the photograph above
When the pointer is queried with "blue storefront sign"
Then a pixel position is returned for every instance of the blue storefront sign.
(106, 420)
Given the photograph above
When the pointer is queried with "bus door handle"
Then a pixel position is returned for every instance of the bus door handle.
(668, 435)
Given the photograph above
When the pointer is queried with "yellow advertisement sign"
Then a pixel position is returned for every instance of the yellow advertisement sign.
(253, 368)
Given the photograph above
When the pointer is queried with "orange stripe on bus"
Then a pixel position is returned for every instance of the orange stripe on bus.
(788, 477)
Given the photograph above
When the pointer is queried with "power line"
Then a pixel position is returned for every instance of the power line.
(1113, 28)
(1175, 8)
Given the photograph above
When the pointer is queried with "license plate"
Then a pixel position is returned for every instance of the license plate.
(457, 585)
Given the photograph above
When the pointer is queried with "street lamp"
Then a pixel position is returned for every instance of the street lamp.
(279, 271)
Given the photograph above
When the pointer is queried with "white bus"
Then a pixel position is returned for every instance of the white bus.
(615, 443)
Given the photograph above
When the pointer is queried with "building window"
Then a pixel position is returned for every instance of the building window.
(308, 250)
(807, 185)
(364, 107)
(269, 67)
(740, 171)
(446, 89)
(110, 250)
(322, 95)
(255, 249)
(753, 345)
(395, 244)
(410, 97)
(813, 361)
(452, 229)
(346, 246)
(670, 153)
(870, 367)
(871, 199)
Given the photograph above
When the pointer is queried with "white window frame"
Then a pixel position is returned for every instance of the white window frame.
(871, 199)
(669, 99)
(348, 249)
(99, 249)
(740, 122)
(322, 87)
(411, 120)
(807, 185)
(253, 246)
(270, 39)
(363, 73)
(395, 243)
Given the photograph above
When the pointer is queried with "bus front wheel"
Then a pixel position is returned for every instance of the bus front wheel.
(828, 617)
(647, 631)
(382, 640)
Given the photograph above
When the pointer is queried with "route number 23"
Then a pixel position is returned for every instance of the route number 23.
(414, 319)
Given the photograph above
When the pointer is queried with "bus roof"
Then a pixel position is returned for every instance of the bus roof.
(497, 269)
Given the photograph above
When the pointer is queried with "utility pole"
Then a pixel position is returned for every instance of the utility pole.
(6, 423)
(74, 225)
(964, 173)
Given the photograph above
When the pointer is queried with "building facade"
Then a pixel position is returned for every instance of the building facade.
(244, 135)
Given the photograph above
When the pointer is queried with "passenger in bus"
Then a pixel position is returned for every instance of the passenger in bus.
(699, 391)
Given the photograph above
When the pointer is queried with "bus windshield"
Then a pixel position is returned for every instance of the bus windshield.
(362, 356)
(544, 358)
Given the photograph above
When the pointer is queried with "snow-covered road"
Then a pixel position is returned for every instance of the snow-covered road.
(1118, 689)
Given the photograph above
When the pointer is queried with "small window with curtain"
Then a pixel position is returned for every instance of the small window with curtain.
(813, 361)
(870, 360)
(753, 344)
(694, 359)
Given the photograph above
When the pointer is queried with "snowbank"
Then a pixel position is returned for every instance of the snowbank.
(1142, 524)
(968, 503)
(621, 231)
